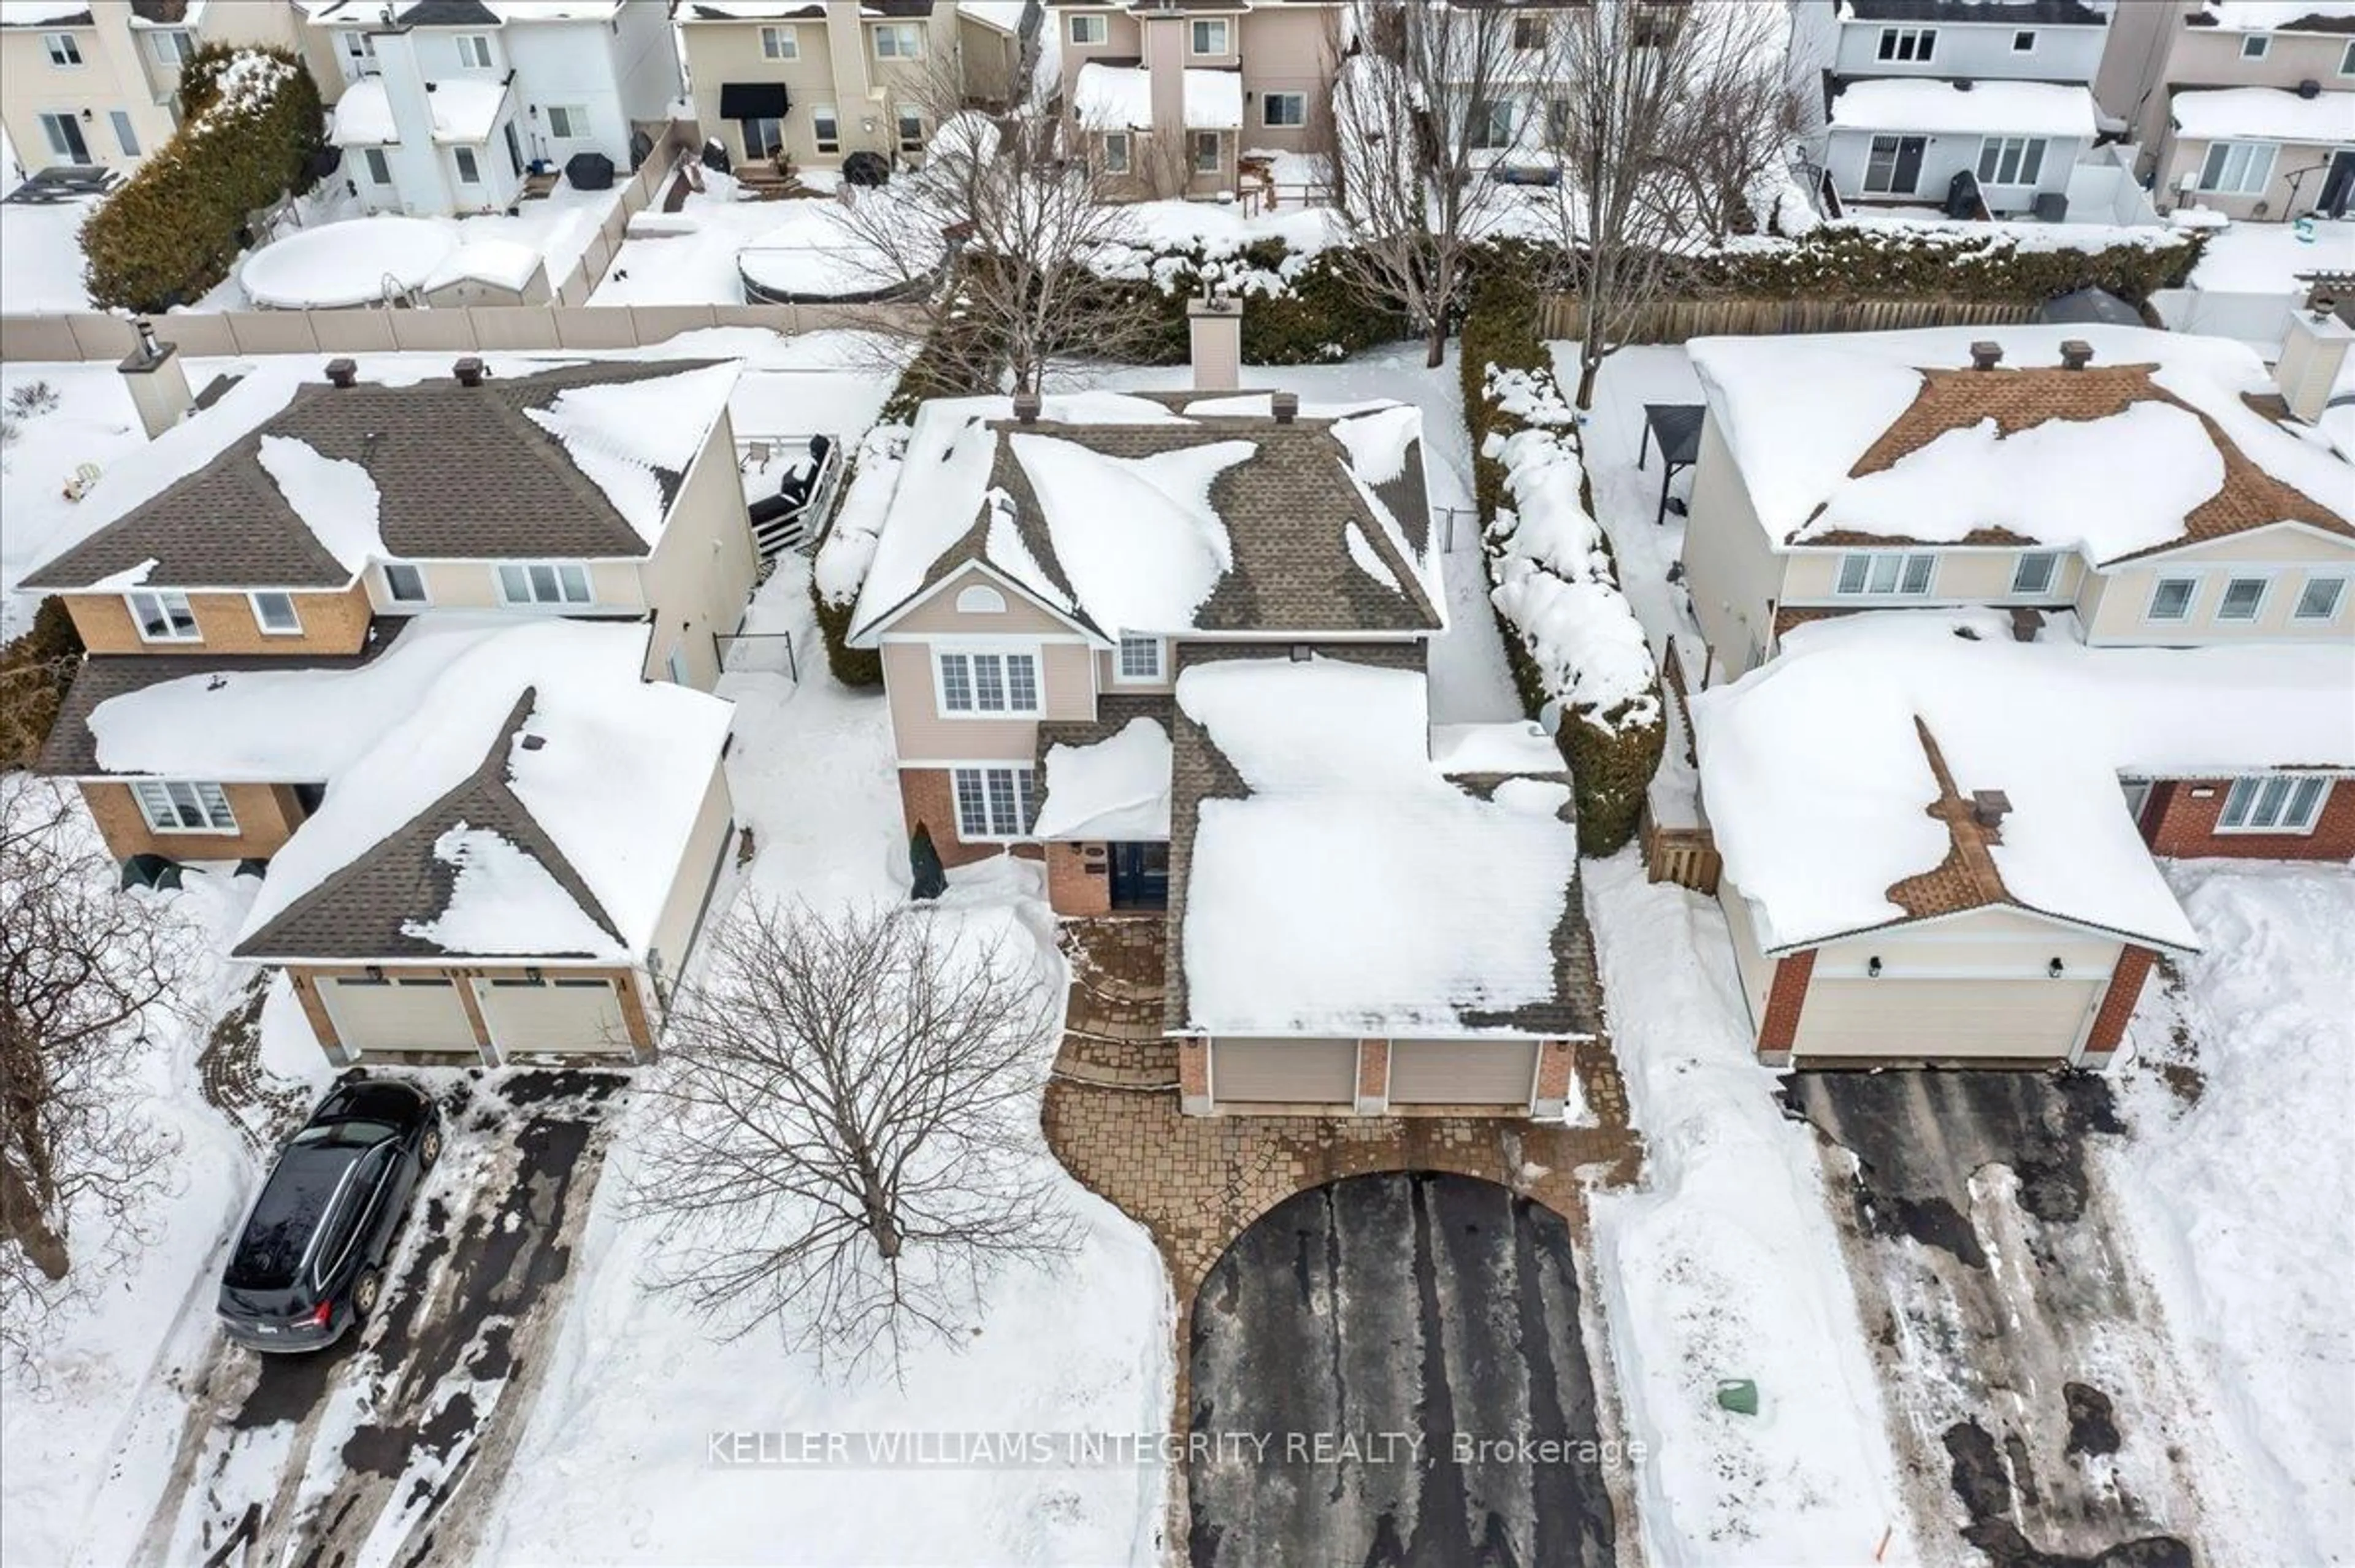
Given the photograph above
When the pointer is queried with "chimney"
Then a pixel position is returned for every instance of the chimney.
(1285, 406)
(2313, 353)
(1025, 408)
(1215, 330)
(1986, 355)
(469, 371)
(2075, 354)
(156, 381)
(1990, 807)
(343, 373)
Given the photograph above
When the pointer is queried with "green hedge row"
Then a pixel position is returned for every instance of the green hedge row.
(252, 121)
(35, 671)
(1296, 311)
(1839, 261)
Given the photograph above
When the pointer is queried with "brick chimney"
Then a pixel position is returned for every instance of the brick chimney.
(1215, 330)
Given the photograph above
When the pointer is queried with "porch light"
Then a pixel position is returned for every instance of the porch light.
(2054, 968)
(1872, 967)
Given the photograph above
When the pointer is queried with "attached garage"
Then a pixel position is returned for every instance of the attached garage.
(554, 1016)
(397, 1013)
(1463, 1071)
(1245, 1070)
(1977, 1020)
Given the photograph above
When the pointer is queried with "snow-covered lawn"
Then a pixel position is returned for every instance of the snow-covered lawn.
(2239, 1183)
(1625, 497)
(41, 257)
(2265, 258)
(689, 257)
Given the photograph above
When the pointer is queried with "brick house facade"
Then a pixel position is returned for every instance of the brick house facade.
(2181, 819)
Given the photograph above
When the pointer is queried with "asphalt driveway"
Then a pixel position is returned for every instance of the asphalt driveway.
(1388, 1370)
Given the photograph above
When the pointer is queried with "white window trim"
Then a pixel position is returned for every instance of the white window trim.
(2257, 611)
(2052, 558)
(980, 599)
(2347, 59)
(2245, 186)
(1998, 146)
(899, 121)
(222, 825)
(2263, 41)
(2337, 599)
(1266, 106)
(56, 44)
(472, 44)
(2019, 33)
(499, 583)
(461, 159)
(262, 625)
(171, 46)
(1929, 584)
(1890, 46)
(1101, 28)
(1160, 676)
(1117, 165)
(575, 122)
(2191, 604)
(825, 113)
(374, 159)
(1226, 37)
(125, 135)
(195, 633)
(1217, 142)
(2281, 830)
(785, 37)
(968, 651)
(956, 803)
(896, 30)
(392, 594)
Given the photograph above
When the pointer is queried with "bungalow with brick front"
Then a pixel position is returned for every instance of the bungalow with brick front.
(1172, 645)
(1938, 841)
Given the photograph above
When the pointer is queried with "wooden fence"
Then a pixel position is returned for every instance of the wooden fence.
(1673, 320)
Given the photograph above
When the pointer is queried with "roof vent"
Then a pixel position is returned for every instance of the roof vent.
(533, 742)
(343, 373)
(1990, 807)
(2075, 354)
(2309, 89)
(1986, 355)
(1026, 407)
(469, 371)
(1285, 406)
(1300, 654)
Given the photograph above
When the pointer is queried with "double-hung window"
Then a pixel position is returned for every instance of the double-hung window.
(1090, 30)
(171, 47)
(543, 583)
(1140, 657)
(2172, 597)
(276, 615)
(826, 131)
(1880, 574)
(2237, 168)
(1210, 35)
(781, 44)
(1284, 109)
(1206, 151)
(994, 802)
(2318, 599)
(1115, 152)
(63, 48)
(911, 130)
(2280, 803)
(2032, 573)
(2011, 160)
(162, 615)
(1911, 44)
(989, 683)
(566, 120)
(2243, 597)
(900, 41)
(1529, 33)
(475, 50)
(1489, 123)
(470, 171)
(172, 806)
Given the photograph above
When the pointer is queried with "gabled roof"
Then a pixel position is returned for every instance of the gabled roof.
(1167, 514)
(2152, 445)
(579, 460)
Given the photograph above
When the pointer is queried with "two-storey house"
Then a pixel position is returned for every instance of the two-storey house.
(2244, 106)
(813, 83)
(426, 653)
(2012, 613)
(98, 81)
(447, 104)
(1967, 103)
(1172, 645)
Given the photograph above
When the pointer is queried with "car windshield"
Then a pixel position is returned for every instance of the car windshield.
(342, 1134)
(292, 1203)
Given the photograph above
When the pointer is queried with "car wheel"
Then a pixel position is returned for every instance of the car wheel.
(429, 1149)
(367, 1291)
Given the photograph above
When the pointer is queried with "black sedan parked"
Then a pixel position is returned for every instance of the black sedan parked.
(310, 1262)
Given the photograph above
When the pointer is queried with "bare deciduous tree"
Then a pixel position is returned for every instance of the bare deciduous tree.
(1410, 121)
(84, 971)
(847, 1143)
(999, 235)
(1667, 117)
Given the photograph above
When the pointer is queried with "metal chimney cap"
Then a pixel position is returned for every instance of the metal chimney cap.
(1986, 355)
(1026, 407)
(343, 372)
(1989, 806)
(469, 371)
(1285, 406)
(2075, 353)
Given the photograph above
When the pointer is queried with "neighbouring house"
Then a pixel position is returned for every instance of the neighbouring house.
(1173, 645)
(446, 106)
(1938, 841)
(2247, 107)
(1185, 100)
(98, 81)
(300, 521)
(814, 80)
(1974, 107)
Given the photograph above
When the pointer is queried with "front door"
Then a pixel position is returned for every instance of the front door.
(1140, 876)
(2338, 186)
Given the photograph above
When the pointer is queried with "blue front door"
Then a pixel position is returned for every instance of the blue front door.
(1140, 876)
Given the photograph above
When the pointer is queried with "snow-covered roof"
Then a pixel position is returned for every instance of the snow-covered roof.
(466, 111)
(2262, 113)
(1986, 13)
(1122, 513)
(2270, 15)
(562, 459)
(1351, 889)
(2012, 108)
(2150, 445)
(1113, 97)
(1819, 783)
(1116, 788)
(527, 793)
(44, 13)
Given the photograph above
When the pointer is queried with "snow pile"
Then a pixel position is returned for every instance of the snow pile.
(1727, 1265)
(2241, 1197)
(626, 435)
(1532, 397)
(335, 498)
(347, 263)
(503, 902)
(1817, 784)
(1137, 536)
(1117, 788)
(1982, 108)
(2261, 113)
(1192, 245)
(363, 116)
(1553, 581)
(857, 527)
(1354, 890)
(1120, 98)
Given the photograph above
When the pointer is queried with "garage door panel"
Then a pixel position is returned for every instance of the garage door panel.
(397, 1014)
(1463, 1071)
(1956, 1020)
(572, 1017)
(1287, 1071)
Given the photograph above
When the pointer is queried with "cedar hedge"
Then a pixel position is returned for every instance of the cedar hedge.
(35, 671)
(173, 230)
(851, 666)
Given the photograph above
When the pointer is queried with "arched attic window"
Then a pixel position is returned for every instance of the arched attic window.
(978, 600)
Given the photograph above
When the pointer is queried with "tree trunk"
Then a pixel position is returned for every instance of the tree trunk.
(1435, 342)
(1587, 369)
(22, 1221)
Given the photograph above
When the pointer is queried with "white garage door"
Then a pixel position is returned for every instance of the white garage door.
(1946, 1020)
(397, 1014)
(567, 1016)
(1463, 1071)
(1289, 1072)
